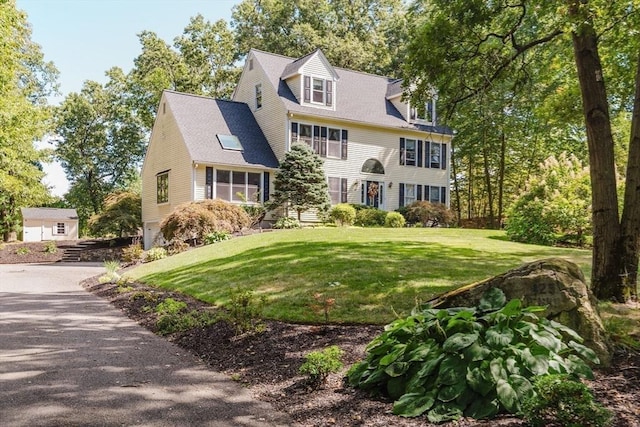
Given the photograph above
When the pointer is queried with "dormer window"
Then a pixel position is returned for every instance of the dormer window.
(424, 113)
(318, 91)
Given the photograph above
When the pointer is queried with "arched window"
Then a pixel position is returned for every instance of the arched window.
(373, 166)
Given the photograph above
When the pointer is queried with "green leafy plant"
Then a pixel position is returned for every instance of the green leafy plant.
(23, 251)
(319, 364)
(256, 214)
(561, 400)
(50, 247)
(427, 214)
(475, 362)
(367, 216)
(174, 317)
(286, 223)
(245, 311)
(394, 220)
(216, 236)
(343, 214)
(155, 254)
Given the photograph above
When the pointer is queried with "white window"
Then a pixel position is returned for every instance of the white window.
(409, 194)
(60, 229)
(434, 155)
(306, 134)
(424, 112)
(410, 152)
(258, 96)
(162, 187)
(318, 91)
(334, 143)
(235, 186)
(334, 190)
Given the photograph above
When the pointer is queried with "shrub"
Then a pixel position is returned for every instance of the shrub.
(428, 214)
(51, 248)
(215, 237)
(319, 364)
(394, 220)
(563, 400)
(474, 362)
(370, 217)
(556, 204)
(194, 220)
(177, 246)
(343, 214)
(256, 214)
(23, 251)
(245, 311)
(173, 317)
(111, 275)
(155, 254)
(133, 253)
(286, 223)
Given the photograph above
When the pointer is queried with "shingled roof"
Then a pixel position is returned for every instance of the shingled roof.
(49, 213)
(360, 97)
(200, 119)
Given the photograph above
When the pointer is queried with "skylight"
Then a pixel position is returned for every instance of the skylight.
(230, 142)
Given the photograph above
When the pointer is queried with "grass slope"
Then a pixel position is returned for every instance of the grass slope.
(372, 273)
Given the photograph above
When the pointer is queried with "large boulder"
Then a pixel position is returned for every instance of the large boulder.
(555, 283)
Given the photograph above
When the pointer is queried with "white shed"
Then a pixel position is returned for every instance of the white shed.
(39, 224)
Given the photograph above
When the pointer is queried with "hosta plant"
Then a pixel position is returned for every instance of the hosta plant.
(475, 362)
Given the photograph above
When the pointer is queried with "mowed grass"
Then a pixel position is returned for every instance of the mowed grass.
(374, 274)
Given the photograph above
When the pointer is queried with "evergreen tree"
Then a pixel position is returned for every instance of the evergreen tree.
(300, 183)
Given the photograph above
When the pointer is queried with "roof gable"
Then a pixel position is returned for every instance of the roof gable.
(297, 67)
(360, 97)
(200, 119)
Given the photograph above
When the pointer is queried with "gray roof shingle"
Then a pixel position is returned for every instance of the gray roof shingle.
(200, 119)
(360, 97)
(49, 213)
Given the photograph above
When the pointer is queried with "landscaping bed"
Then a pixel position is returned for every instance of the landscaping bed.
(268, 362)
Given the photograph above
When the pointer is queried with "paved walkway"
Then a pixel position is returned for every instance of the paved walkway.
(68, 358)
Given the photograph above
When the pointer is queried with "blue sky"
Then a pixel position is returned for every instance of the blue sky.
(84, 38)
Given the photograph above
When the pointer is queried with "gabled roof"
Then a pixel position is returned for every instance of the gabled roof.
(200, 119)
(49, 213)
(360, 97)
(295, 67)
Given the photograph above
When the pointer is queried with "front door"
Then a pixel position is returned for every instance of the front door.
(372, 193)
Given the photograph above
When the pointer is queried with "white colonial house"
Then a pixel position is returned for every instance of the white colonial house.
(377, 149)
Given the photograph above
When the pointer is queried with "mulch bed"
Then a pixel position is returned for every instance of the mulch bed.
(267, 363)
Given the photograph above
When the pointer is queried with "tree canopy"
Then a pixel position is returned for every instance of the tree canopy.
(25, 81)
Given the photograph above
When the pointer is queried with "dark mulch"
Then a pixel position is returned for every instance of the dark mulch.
(31, 252)
(268, 364)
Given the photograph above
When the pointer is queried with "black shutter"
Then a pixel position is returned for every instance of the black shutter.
(363, 200)
(345, 140)
(402, 152)
(323, 141)
(208, 183)
(419, 154)
(427, 156)
(427, 193)
(419, 192)
(294, 131)
(401, 201)
(307, 89)
(329, 99)
(343, 190)
(443, 195)
(443, 158)
(316, 139)
(265, 187)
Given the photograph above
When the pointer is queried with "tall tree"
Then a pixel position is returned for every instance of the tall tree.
(464, 47)
(364, 35)
(25, 81)
(300, 183)
(101, 142)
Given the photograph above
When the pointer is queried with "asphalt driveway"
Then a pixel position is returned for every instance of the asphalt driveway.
(68, 358)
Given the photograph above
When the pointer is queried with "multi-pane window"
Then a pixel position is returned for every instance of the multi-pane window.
(417, 152)
(337, 190)
(60, 228)
(258, 96)
(162, 187)
(434, 155)
(238, 186)
(409, 194)
(318, 91)
(324, 141)
(410, 152)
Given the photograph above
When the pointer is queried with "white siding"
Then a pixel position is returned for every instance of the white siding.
(295, 84)
(402, 107)
(35, 230)
(317, 68)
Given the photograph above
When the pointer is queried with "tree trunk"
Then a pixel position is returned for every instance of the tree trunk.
(487, 180)
(456, 185)
(503, 149)
(630, 224)
(605, 271)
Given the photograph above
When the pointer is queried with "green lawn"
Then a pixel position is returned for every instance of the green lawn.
(371, 272)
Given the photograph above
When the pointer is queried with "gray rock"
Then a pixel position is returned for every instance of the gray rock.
(555, 283)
